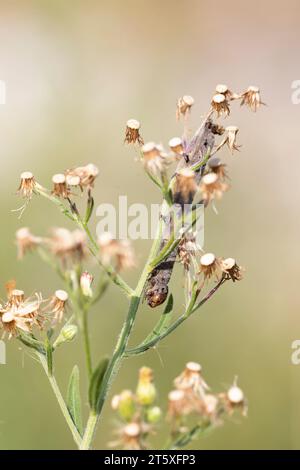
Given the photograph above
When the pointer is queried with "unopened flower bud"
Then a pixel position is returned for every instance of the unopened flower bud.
(86, 280)
(67, 334)
(146, 391)
(126, 405)
(153, 414)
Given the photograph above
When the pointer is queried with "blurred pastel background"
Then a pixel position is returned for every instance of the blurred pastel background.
(75, 71)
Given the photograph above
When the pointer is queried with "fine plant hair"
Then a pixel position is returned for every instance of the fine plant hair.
(188, 174)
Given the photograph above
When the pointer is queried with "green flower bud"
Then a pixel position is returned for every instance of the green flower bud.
(146, 391)
(124, 404)
(67, 333)
(153, 414)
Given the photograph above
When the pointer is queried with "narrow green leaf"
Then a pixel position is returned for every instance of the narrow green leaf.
(96, 381)
(74, 400)
(163, 322)
(49, 356)
(31, 342)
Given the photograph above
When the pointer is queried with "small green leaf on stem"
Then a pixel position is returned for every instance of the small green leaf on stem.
(163, 322)
(49, 356)
(89, 209)
(74, 399)
(31, 342)
(96, 381)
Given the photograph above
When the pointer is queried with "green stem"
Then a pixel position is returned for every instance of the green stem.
(87, 345)
(120, 348)
(143, 347)
(60, 400)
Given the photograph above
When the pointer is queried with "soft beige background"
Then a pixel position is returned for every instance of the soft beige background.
(75, 72)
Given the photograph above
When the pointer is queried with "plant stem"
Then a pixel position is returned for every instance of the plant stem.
(86, 338)
(120, 348)
(60, 400)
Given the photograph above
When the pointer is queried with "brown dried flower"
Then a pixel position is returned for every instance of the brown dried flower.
(185, 186)
(184, 105)
(224, 90)
(220, 105)
(119, 251)
(27, 185)
(177, 404)
(251, 98)
(60, 188)
(20, 314)
(176, 145)
(212, 187)
(26, 241)
(57, 306)
(235, 399)
(155, 160)
(216, 166)
(231, 269)
(69, 245)
(132, 133)
(83, 176)
(209, 265)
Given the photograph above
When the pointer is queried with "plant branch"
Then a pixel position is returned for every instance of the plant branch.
(60, 400)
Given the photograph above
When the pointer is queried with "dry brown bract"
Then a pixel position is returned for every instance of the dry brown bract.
(83, 176)
(27, 185)
(19, 313)
(184, 105)
(231, 269)
(57, 306)
(209, 265)
(132, 133)
(60, 188)
(185, 186)
(251, 98)
(155, 160)
(212, 187)
(118, 251)
(69, 245)
(220, 105)
(26, 241)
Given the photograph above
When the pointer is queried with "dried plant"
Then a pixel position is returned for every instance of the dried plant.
(46, 323)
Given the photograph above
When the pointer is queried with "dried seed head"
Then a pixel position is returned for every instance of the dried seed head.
(20, 314)
(185, 186)
(132, 430)
(27, 185)
(209, 265)
(235, 395)
(132, 133)
(155, 160)
(73, 180)
(86, 280)
(57, 305)
(83, 176)
(216, 166)
(60, 188)
(184, 105)
(119, 251)
(17, 297)
(26, 241)
(176, 404)
(251, 98)
(234, 399)
(231, 269)
(230, 139)
(212, 187)
(224, 90)
(187, 249)
(191, 379)
(176, 145)
(220, 105)
(67, 245)
(210, 405)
